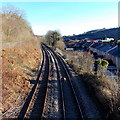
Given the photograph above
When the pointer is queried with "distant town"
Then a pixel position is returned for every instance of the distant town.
(106, 48)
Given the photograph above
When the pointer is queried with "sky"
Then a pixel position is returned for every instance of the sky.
(68, 17)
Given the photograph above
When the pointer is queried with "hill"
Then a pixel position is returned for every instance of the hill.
(20, 58)
(96, 34)
(14, 27)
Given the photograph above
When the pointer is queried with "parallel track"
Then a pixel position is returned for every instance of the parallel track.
(52, 96)
(72, 109)
(34, 103)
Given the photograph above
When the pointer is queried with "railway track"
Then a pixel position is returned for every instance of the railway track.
(53, 96)
(71, 106)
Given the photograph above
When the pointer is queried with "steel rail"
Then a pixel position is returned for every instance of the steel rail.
(68, 77)
(29, 98)
(60, 85)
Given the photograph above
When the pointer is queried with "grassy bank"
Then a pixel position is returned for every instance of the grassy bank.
(20, 61)
(19, 66)
(104, 90)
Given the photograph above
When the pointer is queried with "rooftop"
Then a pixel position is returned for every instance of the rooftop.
(115, 51)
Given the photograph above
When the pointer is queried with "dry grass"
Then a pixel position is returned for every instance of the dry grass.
(80, 61)
(19, 63)
(60, 44)
(106, 91)
(14, 26)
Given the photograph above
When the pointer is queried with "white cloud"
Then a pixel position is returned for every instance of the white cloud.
(42, 30)
(64, 30)
(78, 27)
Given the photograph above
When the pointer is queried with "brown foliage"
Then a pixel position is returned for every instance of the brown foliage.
(14, 26)
(18, 65)
(60, 44)
(19, 61)
(81, 61)
(104, 89)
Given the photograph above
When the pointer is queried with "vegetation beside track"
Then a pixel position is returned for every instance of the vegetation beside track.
(19, 62)
(105, 91)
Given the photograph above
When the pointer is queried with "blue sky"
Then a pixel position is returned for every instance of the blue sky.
(69, 17)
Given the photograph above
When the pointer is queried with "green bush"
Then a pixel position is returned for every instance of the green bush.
(104, 63)
(101, 64)
(98, 61)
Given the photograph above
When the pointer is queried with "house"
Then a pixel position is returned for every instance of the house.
(114, 55)
(71, 49)
(79, 44)
(87, 45)
(103, 50)
(107, 51)
(94, 47)
(107, 40)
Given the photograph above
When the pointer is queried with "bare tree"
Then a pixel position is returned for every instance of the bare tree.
(12, 11)
(14, 26)
(52, 37)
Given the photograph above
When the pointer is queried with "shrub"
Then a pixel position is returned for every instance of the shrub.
(14, 26)
(100, 66)
(18, 61)
(60, 44)
(98, 61)
(105, 90)
(104, 63)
